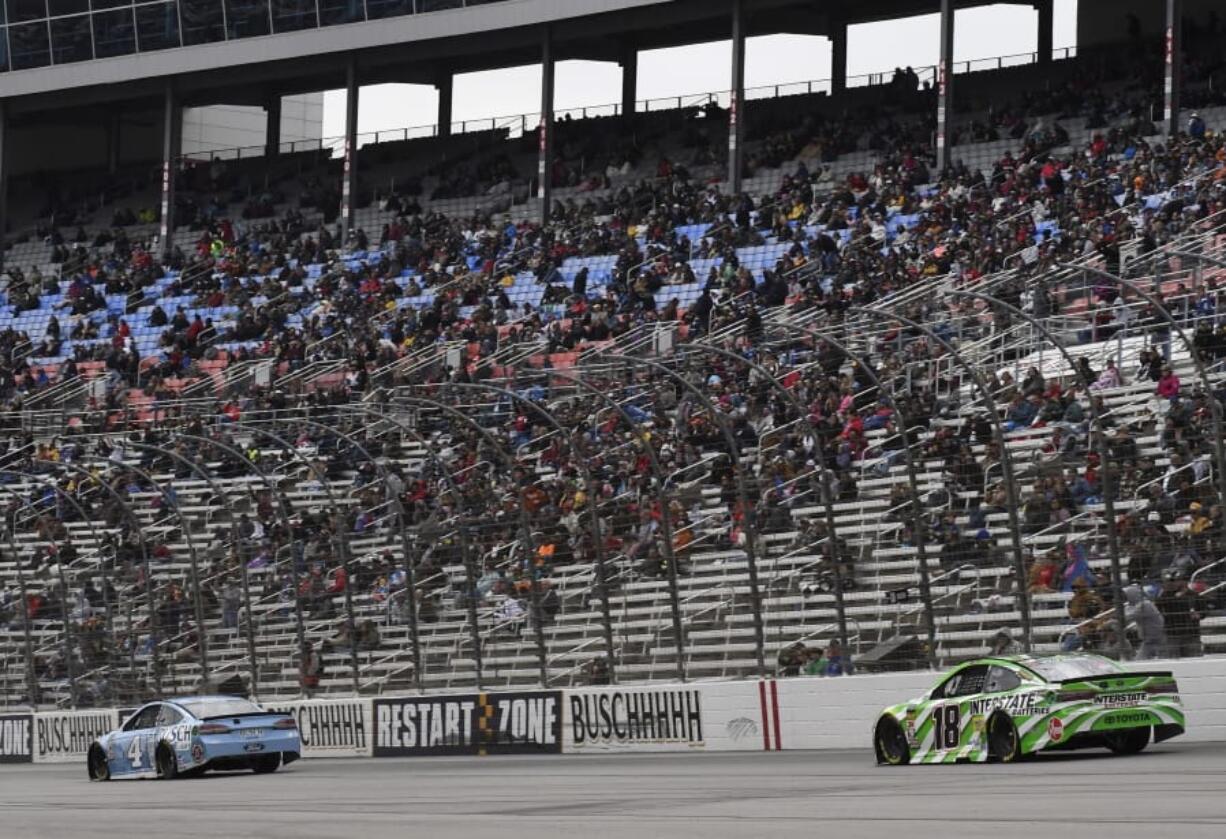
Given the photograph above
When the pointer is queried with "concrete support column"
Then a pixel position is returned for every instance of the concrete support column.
(272, 127)
(945, 84)
(349, 176)
(172, 134)
(838, 57)
(1047, 29)
(736, 116)
(1174, 64)
(4, 183)
(630, 81)
(544, 169)
(446, 88)
(114, 130)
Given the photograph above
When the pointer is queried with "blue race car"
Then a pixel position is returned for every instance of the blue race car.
(191, 735)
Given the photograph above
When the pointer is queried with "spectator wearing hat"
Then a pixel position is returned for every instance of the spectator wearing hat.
(1196, 126)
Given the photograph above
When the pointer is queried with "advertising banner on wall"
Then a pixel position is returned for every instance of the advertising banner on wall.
(340, 728)
(65, 736)
(635, 717)
(727, 716)
(16, 738)
(470, 724)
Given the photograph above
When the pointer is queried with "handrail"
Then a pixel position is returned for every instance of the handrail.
(642, 106)
(1205, 568)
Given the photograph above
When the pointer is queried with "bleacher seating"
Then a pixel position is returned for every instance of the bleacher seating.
(400, 375)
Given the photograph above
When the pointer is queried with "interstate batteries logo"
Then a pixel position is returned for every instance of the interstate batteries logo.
(1120, 700)
(1020, 704)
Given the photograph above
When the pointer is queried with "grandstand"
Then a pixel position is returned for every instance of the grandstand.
(408, 418)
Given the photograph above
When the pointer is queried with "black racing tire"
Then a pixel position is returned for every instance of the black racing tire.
(1127, 741)
(99, 769)
(266, 764)
(167, 763)
(1004, 745)
(890, 743)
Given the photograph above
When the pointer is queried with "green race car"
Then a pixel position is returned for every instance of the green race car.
(1005, 708)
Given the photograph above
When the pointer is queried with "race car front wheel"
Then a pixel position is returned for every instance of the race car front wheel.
(1003, 743)
(891, 743)
(99, 769)
(167, 765)
(1127, 741)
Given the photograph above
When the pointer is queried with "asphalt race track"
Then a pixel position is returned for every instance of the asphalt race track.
(1173, 790)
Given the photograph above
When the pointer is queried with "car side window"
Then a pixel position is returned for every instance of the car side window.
(1001, 679)
(145, 718)
(169, 716)
(965, 682)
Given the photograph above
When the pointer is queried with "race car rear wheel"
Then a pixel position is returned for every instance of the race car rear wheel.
(267, 763)
(1004, 745)
(891, 743)
(167, 764)
(99, 769)
(1127, 741)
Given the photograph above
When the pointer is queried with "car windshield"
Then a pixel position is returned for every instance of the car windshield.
(1072, 667)
(203, 709)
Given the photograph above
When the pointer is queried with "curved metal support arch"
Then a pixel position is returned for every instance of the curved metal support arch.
(918, 525)
(340, 534)
(524, 524)
(27, 638)
(827, 489)
(31, 675)
(593, 515)
(1108, 483)
(749, 505)
(465, 545)
(126, 506)
(666, 521)
(235, 539)
(1006, 461)
(410, 574)
(173, 503)
(282, 514)
(1215, 407)
(525, 527)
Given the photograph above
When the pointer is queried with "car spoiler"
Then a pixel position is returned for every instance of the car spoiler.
(247, 714)
(1143, 674)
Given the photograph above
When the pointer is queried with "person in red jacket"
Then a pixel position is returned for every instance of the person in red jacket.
(339, 580)
(1168, 385)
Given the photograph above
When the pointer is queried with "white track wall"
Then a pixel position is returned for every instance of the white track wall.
(839, 713)
(769, 715)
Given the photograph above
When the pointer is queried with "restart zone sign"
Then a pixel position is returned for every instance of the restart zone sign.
(476, 724)
(16, 738)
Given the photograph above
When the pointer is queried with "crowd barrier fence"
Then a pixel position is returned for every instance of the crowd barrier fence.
(717, 716)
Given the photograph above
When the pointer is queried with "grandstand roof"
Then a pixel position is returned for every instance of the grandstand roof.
(250, 70)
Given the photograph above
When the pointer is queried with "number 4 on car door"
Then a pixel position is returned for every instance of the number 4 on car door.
(135, 753)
